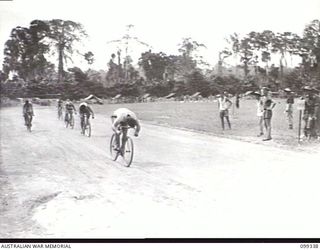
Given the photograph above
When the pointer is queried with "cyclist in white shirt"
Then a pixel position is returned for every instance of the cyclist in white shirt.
(124, 117)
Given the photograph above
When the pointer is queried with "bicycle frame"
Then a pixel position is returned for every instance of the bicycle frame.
(127, 147)
(68, 118)
(123, 134)
(85, 123)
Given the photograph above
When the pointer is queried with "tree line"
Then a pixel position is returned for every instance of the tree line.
(261, 59)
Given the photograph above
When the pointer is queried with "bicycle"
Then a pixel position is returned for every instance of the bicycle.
(28, 118)
(125, 151)
(69, 120)
(85, 126)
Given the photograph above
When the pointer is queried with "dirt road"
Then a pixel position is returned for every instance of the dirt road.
(57, 183)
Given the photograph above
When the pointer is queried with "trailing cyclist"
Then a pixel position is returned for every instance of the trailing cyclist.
(69, 110)
(27, 112)
(84, 110)
(124, 117)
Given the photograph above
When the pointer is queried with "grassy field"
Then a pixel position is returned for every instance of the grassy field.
(204, 117)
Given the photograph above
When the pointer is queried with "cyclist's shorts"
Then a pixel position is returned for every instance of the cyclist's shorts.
(82, 114)
(124, 124)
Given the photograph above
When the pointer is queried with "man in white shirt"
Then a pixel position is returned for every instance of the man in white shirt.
(260, 111)
(224, 105)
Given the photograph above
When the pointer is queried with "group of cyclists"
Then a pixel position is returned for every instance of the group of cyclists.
(85, 111)
(120, 118)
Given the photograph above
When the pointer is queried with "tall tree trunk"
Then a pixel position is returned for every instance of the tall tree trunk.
(60, 64)
(281, 74)
(61, 56)
(219, 68)
(119, 67)
(282, 58)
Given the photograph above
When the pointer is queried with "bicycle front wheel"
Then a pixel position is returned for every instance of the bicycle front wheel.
(72, 122)
(66, 120)
(113, 146)
(28, 123)
(128, 152)
(29, 127)
(87, 129)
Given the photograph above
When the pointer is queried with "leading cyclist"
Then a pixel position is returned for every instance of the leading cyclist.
(123, 117)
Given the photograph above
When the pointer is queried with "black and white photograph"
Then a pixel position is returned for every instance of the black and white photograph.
(149, 119)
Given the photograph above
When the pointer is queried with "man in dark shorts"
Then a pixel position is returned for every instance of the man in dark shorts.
(268, 105)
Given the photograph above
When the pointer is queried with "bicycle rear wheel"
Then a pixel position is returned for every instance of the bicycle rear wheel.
(113, 146)
(128, 152)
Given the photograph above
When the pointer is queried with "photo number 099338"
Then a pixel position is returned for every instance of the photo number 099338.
(309, 245)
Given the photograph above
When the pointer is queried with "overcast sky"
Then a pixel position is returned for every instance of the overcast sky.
(161, 23)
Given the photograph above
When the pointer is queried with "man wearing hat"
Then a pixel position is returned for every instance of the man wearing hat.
(289, 106)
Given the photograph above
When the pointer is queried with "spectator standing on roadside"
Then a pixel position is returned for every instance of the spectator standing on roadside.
(289, 107)
(224, 105)
(268, 106)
